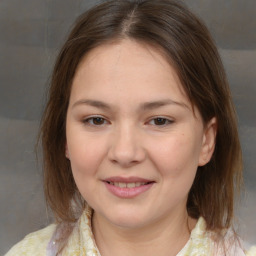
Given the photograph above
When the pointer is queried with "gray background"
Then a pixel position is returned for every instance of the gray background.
(31, 32)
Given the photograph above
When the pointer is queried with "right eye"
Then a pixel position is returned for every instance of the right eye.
(95, 121)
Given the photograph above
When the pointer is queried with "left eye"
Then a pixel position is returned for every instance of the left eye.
(160, 121)
(95, 121)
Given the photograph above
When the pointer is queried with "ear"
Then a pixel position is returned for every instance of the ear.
(209, 140)
(66, 151)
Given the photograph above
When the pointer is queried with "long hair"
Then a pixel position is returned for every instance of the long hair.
(187, 44)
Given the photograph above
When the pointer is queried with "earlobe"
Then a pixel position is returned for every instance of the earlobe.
(208, 143)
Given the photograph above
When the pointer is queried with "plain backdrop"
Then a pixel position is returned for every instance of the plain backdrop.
(31, 32)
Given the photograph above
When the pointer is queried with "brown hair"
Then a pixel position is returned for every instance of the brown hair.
(186, 42)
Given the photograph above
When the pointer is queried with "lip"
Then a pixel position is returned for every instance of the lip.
(127, 192)
(127, 179)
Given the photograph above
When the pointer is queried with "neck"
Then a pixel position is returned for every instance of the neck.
(165, 237)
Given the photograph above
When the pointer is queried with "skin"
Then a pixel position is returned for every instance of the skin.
(115, 82)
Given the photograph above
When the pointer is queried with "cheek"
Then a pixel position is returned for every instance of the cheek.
(86, 154)
(176, 156)
(177, 161)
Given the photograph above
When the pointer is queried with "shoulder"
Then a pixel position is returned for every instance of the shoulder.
(207, 243)
(33, 244)
(235, 246)
(251, 252)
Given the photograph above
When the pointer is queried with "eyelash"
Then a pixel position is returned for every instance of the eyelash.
(102, 121)
(161, 119)
(90, 120)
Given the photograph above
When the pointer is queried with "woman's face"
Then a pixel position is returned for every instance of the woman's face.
(133, 140)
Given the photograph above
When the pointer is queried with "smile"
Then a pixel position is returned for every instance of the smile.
(127, 187)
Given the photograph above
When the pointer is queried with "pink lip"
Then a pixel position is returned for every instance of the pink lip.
(127, 192)
(127, 179)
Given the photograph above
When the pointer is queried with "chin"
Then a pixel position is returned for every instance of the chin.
(127, 218)
(129, 223)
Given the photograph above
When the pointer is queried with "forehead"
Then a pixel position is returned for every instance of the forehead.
(126, 65)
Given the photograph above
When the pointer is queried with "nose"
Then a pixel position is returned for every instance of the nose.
(126, 147)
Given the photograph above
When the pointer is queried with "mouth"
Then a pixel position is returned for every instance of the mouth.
(128, 187)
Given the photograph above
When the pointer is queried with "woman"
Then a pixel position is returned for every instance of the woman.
(140, 142)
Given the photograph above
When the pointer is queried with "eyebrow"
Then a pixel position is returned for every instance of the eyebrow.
(93, 103)
(143, 106)
(161, 103)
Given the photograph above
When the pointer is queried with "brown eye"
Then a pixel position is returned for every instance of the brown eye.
(160, 121)
(96, 121)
